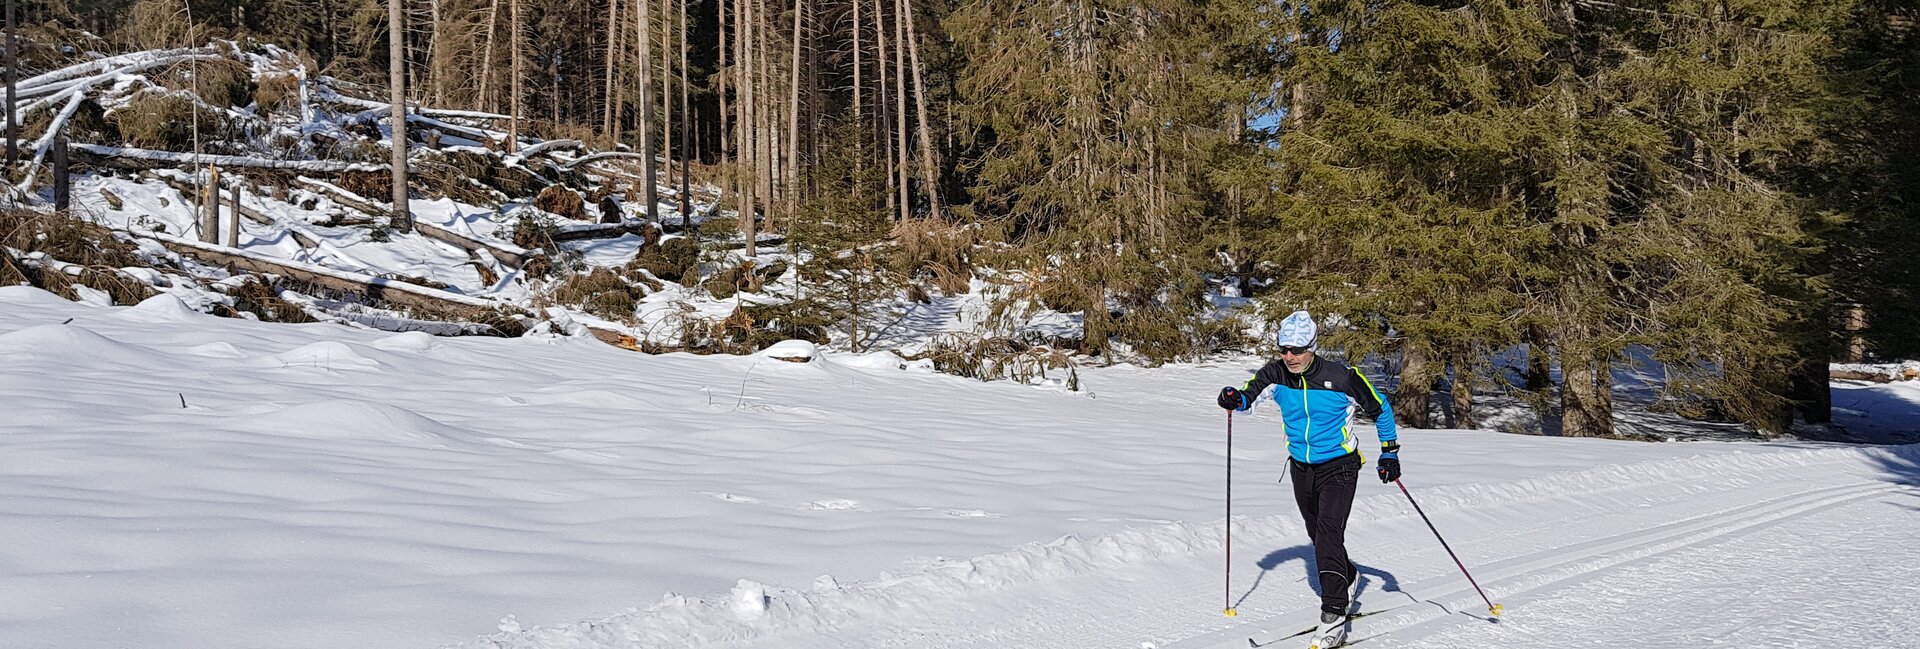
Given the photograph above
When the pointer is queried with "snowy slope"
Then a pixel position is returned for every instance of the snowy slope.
(174, 480)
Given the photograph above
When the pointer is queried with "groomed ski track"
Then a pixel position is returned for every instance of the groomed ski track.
(1675, 553)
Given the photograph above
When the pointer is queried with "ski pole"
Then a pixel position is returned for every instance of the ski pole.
(1491, 607)
(1228, 574)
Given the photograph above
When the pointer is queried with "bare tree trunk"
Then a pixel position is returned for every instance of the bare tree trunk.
(686, 112)
(792, 175)
(642, 24)
(666, 86)
(1539, 359)
(900, 110)
(881, 117)
(608, 113)
(859, 103)
(746, 160)
(484, 101)
(12, 75)
(729, 78)
(620, 83)
(1462, 394)
(1413, 399)
(433, 53)
(397, 80)
(553, 74)
(513, 41)
(764, 143)
(1586, 398)
(928, 168)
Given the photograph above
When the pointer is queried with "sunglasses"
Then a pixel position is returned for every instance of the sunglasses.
(1289, 350)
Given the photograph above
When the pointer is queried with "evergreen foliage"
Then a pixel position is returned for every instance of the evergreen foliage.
(1711, 185)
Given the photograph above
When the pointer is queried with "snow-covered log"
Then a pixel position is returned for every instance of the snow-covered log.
(59, 91)
(94, 67)
(371, 109)
(513, 255)
(538, 149)
(468, 114)
(342, 196)
(45, 142)
(509, 253)
(377, 288)
(604, 155)
(136, 159)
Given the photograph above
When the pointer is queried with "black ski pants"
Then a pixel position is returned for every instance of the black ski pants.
(1324, 492)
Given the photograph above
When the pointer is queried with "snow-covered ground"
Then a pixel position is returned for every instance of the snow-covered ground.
(171, 480)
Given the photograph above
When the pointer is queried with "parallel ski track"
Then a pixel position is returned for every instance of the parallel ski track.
(1563, 566)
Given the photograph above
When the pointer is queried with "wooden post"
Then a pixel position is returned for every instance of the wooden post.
(60, 186)
(233, 221)
(210, 206)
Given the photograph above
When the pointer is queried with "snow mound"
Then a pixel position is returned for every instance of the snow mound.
(68, 342)
(353, 419)
(164, 307)
(798, 351)
(29, 296)
(215, 349)
(328, 355)
(412, 341)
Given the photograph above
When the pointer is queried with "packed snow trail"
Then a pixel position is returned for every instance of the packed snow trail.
(1761, 548)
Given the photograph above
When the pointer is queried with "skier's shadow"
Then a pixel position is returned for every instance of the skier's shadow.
(1370, 578)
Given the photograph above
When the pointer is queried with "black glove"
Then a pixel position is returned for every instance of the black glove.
(1390, 464)
(1233, 399)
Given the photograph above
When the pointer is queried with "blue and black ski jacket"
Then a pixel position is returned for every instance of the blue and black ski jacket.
(1317, 408)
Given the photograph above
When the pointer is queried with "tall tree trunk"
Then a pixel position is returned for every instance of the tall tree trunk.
(608, 113)
(666, 86)
(900, 110)
(687, 154)
(748, 140)
(12, 73)
(513, 41)
(1586, 394)
(1810, 387)
(793, 117)
(859, 102)
(1413, 398)
(729, 80)
(484, 100)
(882, 120)
(763, 105)
(397, 79)
(1462, 394)
(642, 22)
(1539, 359)
(928, 168)
(434, 54)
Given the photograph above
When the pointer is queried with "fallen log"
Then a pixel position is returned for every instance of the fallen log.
(142, 159)
(511, 254)
(393, 292)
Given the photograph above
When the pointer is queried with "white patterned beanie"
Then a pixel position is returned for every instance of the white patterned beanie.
(1297, 330)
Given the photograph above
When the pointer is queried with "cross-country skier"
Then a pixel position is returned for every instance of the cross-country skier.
(1317, 399)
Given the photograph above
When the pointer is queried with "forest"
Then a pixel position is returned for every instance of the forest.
(1728, 188)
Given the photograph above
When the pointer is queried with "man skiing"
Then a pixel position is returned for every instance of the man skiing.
(1317, 399)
